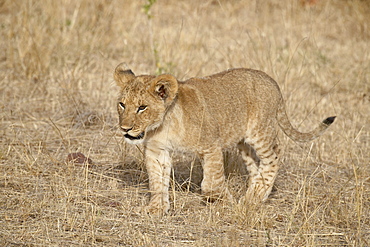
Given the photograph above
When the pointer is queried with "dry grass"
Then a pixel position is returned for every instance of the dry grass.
(57, 97)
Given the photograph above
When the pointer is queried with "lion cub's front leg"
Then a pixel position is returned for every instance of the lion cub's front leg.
(213, 184)
(158, 164)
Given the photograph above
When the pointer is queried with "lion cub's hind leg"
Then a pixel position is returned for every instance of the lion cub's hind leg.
(263, 168)
(250, 159)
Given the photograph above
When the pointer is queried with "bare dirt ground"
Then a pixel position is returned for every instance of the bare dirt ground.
(57, 97)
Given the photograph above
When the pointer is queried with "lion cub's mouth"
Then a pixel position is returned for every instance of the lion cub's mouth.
(132, 138)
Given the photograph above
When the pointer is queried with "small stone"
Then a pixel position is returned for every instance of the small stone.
(78, 158)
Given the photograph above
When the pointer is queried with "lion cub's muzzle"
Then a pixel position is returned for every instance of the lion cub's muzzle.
(133, 138)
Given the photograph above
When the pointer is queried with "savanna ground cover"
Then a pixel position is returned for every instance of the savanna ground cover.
(57, 97)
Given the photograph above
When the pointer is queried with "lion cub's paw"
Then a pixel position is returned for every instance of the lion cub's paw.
(224, 197)
(256, 194)
(151, 210)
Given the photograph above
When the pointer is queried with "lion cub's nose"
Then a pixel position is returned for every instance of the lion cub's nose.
(126, 129)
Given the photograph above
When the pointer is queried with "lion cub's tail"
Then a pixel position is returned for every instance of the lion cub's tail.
(294, 134)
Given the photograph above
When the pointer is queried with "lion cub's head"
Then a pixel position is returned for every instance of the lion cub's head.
(142, 102)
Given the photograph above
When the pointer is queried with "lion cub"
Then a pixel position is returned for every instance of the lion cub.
(241, 107)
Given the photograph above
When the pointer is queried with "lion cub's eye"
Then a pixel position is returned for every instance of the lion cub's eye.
(141, 108)
(122, 105)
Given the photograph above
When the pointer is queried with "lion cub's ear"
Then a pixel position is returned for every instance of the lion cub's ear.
(165, 87)
(122, 75)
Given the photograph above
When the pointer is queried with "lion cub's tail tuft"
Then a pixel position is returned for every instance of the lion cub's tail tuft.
(294, 134)
(329, 120)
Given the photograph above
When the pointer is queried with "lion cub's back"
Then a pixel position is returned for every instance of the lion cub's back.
(234, 89)
(237, 96)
